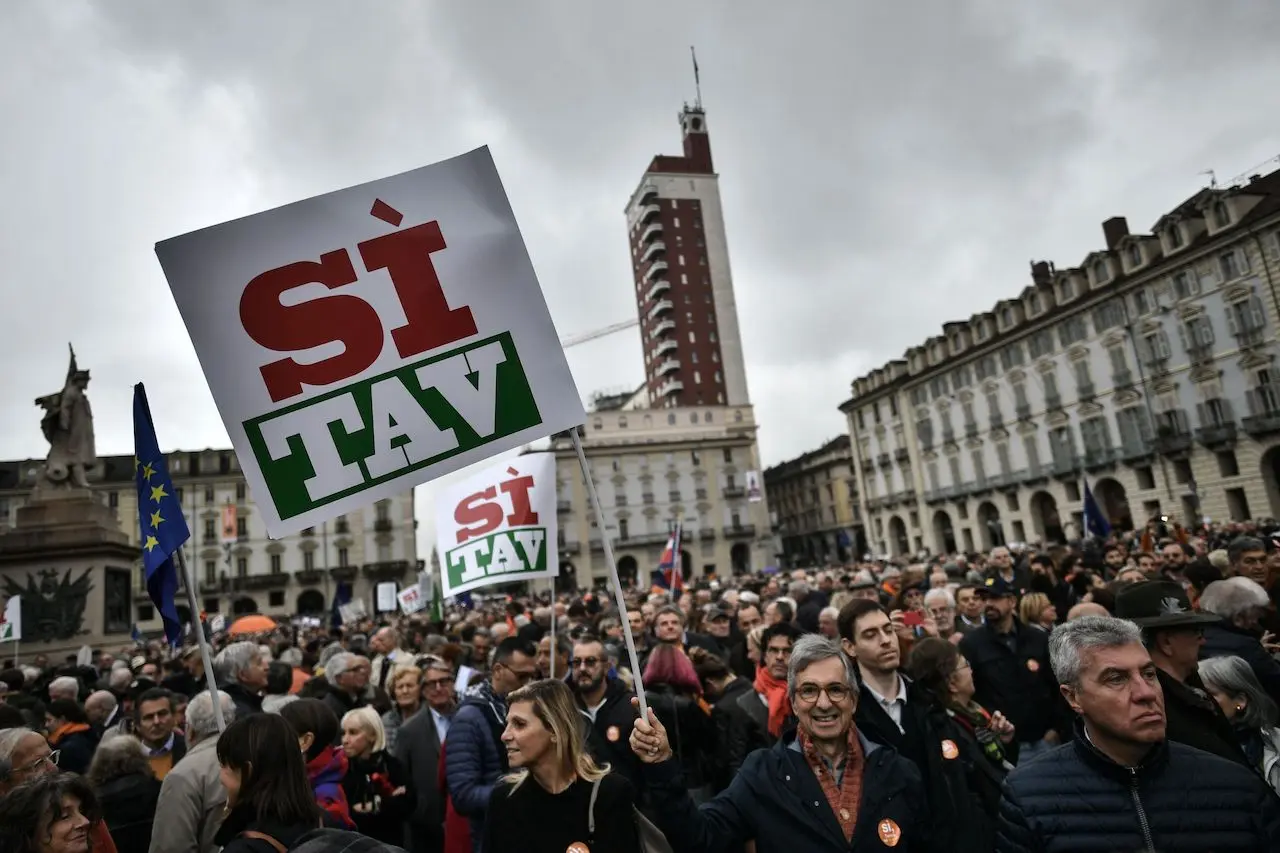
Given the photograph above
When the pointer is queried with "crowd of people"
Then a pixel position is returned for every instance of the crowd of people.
(1114, 696)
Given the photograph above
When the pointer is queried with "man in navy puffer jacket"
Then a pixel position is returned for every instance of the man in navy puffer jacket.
(1120, 786)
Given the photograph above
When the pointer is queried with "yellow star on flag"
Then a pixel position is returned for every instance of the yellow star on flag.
(156, 519)
(152, 542)
(147, 471)
(158, 492)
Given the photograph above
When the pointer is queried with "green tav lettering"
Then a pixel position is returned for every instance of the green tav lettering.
(351, 438)
(507, 552)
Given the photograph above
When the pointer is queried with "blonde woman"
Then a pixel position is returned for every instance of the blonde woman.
(377, 785)
(404, 686)
(558, 799)
(1035, 609)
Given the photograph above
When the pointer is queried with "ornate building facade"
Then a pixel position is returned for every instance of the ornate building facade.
(1148, 370)
(653, 468)
(238, 569)
(815, 503)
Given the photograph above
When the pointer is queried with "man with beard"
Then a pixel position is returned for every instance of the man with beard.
(1011, 671)
(605, 704)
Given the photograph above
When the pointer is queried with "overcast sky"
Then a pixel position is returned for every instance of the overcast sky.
(885, 167)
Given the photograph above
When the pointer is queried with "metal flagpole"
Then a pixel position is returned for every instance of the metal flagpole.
(204, 644)
(613, 572)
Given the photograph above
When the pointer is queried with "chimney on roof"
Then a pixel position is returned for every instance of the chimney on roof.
(1114, 230)
(1041, 274)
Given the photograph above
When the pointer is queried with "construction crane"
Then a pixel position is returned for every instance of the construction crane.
(574, 340)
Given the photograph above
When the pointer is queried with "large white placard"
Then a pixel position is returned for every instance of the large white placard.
(368, 340)
(499, 526)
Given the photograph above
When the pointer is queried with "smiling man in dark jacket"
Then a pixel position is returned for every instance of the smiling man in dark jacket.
(827, 788)
(1120, 785)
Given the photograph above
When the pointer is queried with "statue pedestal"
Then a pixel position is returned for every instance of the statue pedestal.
(74, 569)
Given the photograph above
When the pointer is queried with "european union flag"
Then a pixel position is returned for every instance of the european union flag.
(1095, 522)
(162, 528)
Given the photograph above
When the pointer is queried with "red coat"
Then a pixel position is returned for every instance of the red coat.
(457, 829)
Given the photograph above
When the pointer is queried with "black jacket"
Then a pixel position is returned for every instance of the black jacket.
(726, 715)
(1194, 718)
(777, 801)
(418, 750)
(955, 812)
(1017, 682)
(246, 703)
(690, 730)
(129, 807)
(370, 785)
(1225, 640)
(1077, 800)
(610, 732)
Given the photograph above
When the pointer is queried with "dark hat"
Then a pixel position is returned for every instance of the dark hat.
(1159, 604)
(718, 610)
(997, 587)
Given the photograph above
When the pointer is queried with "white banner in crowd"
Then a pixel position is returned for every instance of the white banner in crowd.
(499, 526)
(385, 596)
(365, 341)
(411, 600)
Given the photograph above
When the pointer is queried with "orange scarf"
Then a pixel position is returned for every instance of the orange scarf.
(845, 799)
(779, 703)
(66, 729)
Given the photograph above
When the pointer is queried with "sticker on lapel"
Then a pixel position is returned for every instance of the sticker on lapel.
(577, 847)
(890, 834)
(613, 734)
(1033, 665)
(950, 750)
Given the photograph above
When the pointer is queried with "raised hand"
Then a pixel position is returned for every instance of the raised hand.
(649, 738)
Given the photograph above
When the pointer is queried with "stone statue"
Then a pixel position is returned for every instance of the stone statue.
(68, 426)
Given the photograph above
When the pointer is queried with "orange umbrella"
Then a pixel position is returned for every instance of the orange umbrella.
(256, 624)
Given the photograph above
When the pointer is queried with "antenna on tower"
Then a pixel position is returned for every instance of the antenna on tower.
(697, 81)
(1213, 178)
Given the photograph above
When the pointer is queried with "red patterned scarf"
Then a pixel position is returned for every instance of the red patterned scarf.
(844, 800)
(774, 690)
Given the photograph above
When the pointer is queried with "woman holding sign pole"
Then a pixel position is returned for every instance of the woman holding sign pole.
(558, 799)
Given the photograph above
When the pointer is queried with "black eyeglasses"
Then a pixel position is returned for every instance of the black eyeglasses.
(809, 693)
(589, 663)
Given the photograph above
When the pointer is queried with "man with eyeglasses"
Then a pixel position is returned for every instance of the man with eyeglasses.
(418, 747)
(823, 788)
(25, 755)
(1173, 634)
(474, 756)
(605, 704)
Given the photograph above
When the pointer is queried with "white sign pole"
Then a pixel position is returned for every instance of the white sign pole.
(613, 572)
(553, 629)
(204, 645)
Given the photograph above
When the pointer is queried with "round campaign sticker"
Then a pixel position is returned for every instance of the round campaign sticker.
(577, 847)
(613, 734)
(890, 834)
(1033, 665)
(950, 750)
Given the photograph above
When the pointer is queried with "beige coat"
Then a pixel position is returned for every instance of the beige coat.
(192, 799)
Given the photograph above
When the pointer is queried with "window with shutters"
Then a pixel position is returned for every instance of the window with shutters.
(1066, 290)
(954, 464)
(1174, 236)
(308, 561)
(1197, 338)
(276, 567)
(1012, 356)
(1134, 428)
(1232, 264)
(1052, 397)
(1032, 448)
(993, 407)
(1095, 434)
(1247, 320)
(1154, 347)
(1062, 447)
(932, 469)
(1084, 380)
(1072, 331)
(979, 473)
(1040, 344)
(924, 432)
(1143, 304)
(1184, 284)
(962, 378)
(985, 367)
(1135, 256)
(1002, 457)
(1108, 315)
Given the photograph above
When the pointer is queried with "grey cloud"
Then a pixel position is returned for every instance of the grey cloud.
(886, 167)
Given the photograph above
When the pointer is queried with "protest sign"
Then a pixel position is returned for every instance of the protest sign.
(385, 596)
(362, 342)
(411, 600)
(499, 526)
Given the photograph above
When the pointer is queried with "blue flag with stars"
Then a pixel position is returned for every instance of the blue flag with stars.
(1095, 520)
(162, 528)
